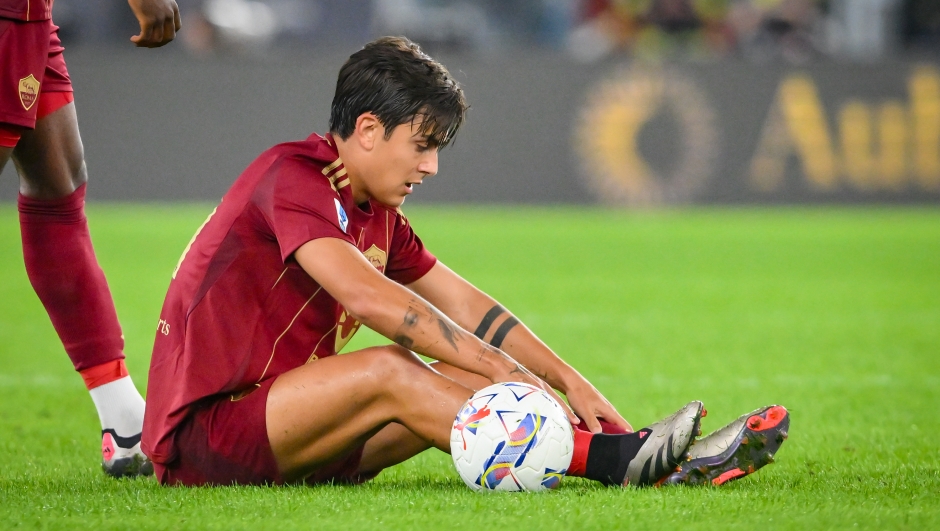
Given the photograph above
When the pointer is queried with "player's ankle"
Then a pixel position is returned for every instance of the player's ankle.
(119, 404)
(104, 373)
(605, 457)
(582, 445)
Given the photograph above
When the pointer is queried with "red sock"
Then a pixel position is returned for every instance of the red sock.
(103, 374)
(582, 443)
(62, 268)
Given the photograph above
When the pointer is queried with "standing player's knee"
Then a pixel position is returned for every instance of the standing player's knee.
(78, 170)
(51, 158)
(73, 165)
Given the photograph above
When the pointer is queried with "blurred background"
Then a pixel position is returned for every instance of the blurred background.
(624, 102)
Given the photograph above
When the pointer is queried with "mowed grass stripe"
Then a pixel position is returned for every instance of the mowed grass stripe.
(832, 312)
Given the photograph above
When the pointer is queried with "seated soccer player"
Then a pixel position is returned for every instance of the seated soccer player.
(245, 384)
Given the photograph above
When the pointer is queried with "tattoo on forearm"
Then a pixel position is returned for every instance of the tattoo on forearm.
(486, 348)
(404, 341)
(448, 332)
(503, 329)
(411, 318)
(488, 319)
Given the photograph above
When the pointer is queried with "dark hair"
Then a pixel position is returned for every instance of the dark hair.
(392, 78)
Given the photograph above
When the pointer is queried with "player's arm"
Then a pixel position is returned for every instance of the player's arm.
(159, 21)
(472, 309)
(403, 316)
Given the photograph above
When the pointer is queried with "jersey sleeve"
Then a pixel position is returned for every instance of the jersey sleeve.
(408, 259)
(300, 205)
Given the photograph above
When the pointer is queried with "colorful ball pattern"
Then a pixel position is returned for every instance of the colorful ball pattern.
(511, 437)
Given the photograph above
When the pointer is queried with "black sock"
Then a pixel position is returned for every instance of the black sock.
(609, 455)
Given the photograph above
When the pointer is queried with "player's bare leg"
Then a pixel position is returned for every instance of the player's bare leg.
(383, 397)
(395, 443)
(62, 268)
(397, 406)
(50, 159)
(5, 153)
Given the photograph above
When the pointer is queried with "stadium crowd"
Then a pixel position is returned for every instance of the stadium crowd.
(794, 31)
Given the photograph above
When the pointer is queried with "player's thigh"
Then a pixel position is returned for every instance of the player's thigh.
(320, 411)
(396, 443)
(5, 153)
(50, 159)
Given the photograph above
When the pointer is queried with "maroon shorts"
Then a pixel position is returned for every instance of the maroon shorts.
(31, 65)
(225, 442)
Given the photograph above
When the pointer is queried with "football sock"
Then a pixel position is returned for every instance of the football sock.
(603, 457)
(62, 268)
(120, 406)
(64, 272)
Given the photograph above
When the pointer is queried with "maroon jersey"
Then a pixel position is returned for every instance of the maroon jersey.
(239, 309)
(26, 10)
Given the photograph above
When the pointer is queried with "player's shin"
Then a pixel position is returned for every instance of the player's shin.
(64, 272)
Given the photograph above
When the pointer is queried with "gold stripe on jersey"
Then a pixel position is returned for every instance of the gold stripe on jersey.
(337, 177)
(340, 173)
(342, 184)
(332, 166)
(388, 233)
(279, 278)
(274, 348)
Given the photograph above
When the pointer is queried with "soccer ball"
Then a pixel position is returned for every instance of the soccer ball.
(512, 437)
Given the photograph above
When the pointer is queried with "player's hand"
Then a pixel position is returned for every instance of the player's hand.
(523, 375)
(591, 405)
(159, 21)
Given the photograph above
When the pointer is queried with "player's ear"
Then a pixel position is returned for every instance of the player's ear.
(368, 129)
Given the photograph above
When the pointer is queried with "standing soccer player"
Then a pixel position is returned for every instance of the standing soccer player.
(39, 130)
(245, 384)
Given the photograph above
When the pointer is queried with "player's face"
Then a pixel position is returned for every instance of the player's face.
(402, 162)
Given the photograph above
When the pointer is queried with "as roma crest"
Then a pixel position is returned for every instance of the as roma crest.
(346, 328)
(376, 257)
(29, 91)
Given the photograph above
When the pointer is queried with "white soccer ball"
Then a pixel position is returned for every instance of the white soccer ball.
(512, 437)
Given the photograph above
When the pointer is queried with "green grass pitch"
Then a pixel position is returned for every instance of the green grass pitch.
(833, 312)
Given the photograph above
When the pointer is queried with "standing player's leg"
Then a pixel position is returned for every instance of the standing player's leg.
(65, 274)
(5, 150)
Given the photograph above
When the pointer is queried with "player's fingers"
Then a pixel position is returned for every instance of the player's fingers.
(572, 416)
(156, 34)
(592, 424)
(177, 21)
(611, 415)
(143, 37)
(169, 32)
